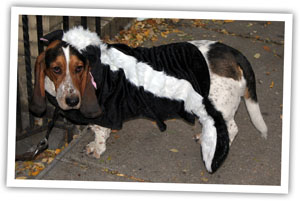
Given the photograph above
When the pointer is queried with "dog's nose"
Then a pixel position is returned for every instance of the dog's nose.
(72, 101)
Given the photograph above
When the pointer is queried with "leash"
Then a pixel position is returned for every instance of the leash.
(43, 144)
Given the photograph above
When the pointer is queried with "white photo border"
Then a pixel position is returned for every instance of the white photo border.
(282, 189)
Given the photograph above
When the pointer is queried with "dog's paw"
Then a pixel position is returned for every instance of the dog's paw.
(95, 149)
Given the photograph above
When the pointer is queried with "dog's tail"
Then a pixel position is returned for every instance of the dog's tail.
(250, 95)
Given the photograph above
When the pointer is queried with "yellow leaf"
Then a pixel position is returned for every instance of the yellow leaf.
(164, 34)
(139, 37)
(204, 179)
(174, 150)
(176, 31)
(272, 84)
(257, 55)
(146, 33)
(224, 31)
(57, 151)
(175, 20)
(23, 177)
(50, 160)
(227, 21)
(35, 173)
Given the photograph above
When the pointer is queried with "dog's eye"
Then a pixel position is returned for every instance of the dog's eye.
(78, 69)
(57, 70)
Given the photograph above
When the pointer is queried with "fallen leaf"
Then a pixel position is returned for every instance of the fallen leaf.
(224, 31)
(267, 48)
(116, 136)
(35, 173)
(257, 55)
(164, 34)
(272, 84)
(57, 151)
(23, 177)
(204, 179)
(182, 34)
(50, 160)
(176, 31)
(139, 37)
(175, 20)
(227, 21)
(174, 150)
(268, 73)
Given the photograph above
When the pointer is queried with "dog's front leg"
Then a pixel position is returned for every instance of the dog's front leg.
(98, 146)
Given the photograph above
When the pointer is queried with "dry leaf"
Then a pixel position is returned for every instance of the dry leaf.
(57, 151)
(35, 173)
(23, 177)
(224, 31)
(175, 20)
(204, 179)
(227, 21)
(250, 25)
(139, 37)
(50, 160)
(267, 48)
(164, 34)
(257, 55)
(272, 84)
(174, 150)
(116, 136)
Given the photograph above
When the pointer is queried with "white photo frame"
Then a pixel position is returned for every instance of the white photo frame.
(282, 189)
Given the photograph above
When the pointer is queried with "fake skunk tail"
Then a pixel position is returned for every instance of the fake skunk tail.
(250, 95)
(214, 148)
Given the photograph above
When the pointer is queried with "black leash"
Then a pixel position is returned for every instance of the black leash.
(43, 144)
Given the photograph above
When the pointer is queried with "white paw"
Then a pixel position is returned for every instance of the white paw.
(95, 149)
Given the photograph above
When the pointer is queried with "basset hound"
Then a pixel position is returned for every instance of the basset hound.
(102, 85)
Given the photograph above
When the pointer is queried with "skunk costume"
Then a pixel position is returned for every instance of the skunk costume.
(158, 83)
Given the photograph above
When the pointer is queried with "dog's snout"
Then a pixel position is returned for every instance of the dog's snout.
(72, 101)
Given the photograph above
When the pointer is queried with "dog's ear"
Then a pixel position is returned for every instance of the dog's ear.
(52, 36)
(89, 104)
(38, 101)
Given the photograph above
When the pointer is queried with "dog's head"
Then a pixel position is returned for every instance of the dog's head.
(64, 66)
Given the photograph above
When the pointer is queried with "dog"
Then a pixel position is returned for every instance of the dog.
(102, 85)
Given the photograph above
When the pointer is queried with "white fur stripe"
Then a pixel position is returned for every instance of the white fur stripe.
(165, 86)
(81, 38)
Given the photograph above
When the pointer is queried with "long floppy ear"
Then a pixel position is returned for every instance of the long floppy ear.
(38, 101)
(89, 104)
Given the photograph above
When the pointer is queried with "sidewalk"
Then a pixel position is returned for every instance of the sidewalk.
(140, 152)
